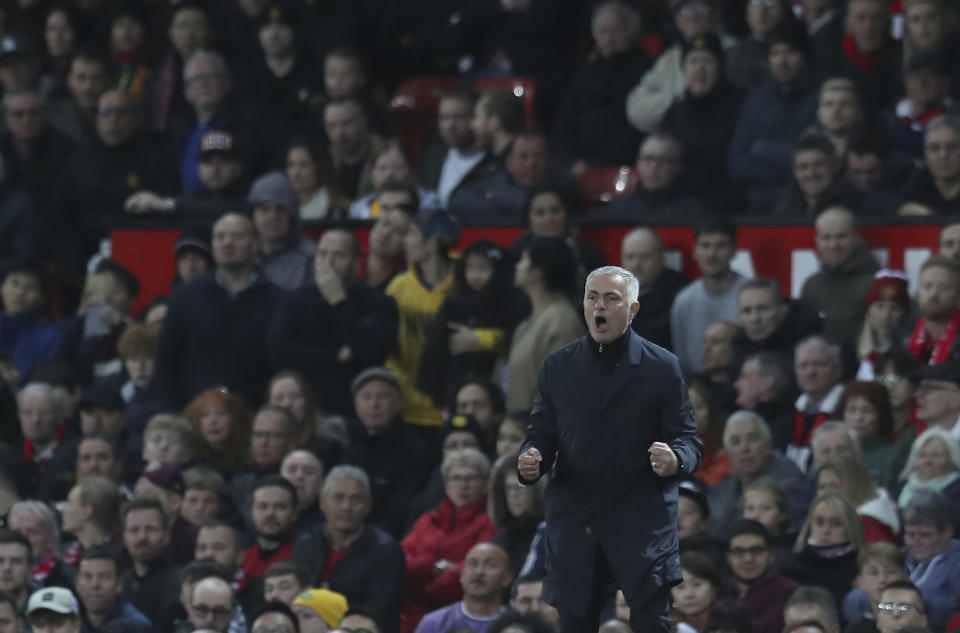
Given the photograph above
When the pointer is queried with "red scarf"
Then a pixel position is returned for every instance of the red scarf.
(71, 555)
(45, 566)
(801, 436)
(926, 117)
(28, 448)
(863, 61)
(920, 343)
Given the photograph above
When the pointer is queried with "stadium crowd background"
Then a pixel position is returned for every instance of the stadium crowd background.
(323, 435)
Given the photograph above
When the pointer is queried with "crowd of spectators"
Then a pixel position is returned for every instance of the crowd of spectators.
(307, 436)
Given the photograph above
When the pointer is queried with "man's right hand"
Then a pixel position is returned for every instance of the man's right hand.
(528, 464)
(328, 282)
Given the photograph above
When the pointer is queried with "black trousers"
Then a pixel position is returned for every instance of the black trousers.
(653, 616)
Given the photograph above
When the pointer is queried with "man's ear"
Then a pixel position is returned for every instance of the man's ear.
(634, 308)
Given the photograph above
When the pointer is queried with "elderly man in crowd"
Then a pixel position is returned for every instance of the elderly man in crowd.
(749, 444)
(641, 252)
(816, 363)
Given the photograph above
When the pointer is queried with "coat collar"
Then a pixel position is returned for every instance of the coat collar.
(620, 377)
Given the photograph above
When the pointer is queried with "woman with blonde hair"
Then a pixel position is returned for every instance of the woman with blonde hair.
(877, 511)
(222, 421)
(826, 549)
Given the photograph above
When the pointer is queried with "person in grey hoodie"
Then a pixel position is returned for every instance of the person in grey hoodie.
(286, 256)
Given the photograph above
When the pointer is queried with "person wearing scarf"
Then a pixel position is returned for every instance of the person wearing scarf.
(933, 340)
(933, 464)
(826, 549)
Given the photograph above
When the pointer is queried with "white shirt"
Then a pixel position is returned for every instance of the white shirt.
(455, 166)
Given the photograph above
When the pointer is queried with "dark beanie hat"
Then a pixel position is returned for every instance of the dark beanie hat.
(793, 33)
(709, 42)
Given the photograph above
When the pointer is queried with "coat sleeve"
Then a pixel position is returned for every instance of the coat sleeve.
(542, 430)
(678, 424)
(384, 594)
(446, 588)
(170, 350)
(419, 560)
(285, 348)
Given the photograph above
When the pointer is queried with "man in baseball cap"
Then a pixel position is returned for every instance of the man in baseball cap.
(53, 610)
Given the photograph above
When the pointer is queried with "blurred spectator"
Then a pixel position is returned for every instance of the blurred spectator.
(223, 182)
(304, 171)
(53, 609)
(202, 487)
(747, 59)
(641, 252)
(498, 117)
(36, 521)
(866, 53)
(197, 347)
(17, 581)
(703, 119)
(302, 469)
(877, 511)
(880, 564)
(937, 186)
(283, 82)
(926, 86)
(211, 604)
(709, 299)
(695, 598)
(43, 411)
(773, 115)
(846, 274)
(221, 421)
(454, 159)
(515, 510)
(816, 363)
(817, 182)
(649, 100)
(526, 599)
(419, 292)
(762, 590)
(321, 433)
(932, 553)
(273, 434)
(19, 63)
(90, 515)
(591, 128)
(169, 439)
(189, 30)
(546, 274)
(390, 164)
(933, 340)
(812, 603)
(219, 542)
(887, 304)
(949, 241)
(97, 179)
(473, 324)
(60, 39)
(344, 75)
(33, 151)
(714, 465)
(381, 443)
(152, 580)
(874, 171)
(662, 190)
(319, 610)
(75, 114)
(25, 333)
(891, 615)
(747, 440)
(549, 212)
(483, 400)
(834, 441)
(193, 260)
(137, 346)
(273, 506)
(769, 322)
(438, 545)
(827, 546)
(285, 253)
(865, 408)
(351, 557)
(385, 257)
(350, 152)
(98, 587)
(765, 386)
(933, 464)
(839, 112)
(717, 357)
(21, 226)
(765, 501)
(130, 49)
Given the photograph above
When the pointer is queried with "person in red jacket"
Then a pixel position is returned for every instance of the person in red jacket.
(439, 541)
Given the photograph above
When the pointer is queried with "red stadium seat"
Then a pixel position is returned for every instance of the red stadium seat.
(600, 185)
(420, 95)
(523, 87)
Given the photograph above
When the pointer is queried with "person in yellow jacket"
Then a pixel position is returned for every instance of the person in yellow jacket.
(419, 292)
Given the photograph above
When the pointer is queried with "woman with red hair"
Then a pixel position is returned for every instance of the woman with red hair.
(222, 420)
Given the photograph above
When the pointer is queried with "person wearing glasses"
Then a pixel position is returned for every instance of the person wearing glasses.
(900, 607)
(212, 606)
(762, 591)
(933, 556)
(438, 544)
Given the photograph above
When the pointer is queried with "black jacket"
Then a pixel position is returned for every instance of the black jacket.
(211, 339)
(372, 573)
(672, 203)
(20, 229)
(921, 188)
(594, 415)
(653, 319)
(592, 123)
(307, 333)
(398, 463)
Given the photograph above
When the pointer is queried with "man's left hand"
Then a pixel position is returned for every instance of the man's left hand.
(663, 460)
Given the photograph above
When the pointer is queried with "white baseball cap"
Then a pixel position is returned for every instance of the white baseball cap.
(56, 599)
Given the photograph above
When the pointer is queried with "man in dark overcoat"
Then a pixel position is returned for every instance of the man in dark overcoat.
(612, 418)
